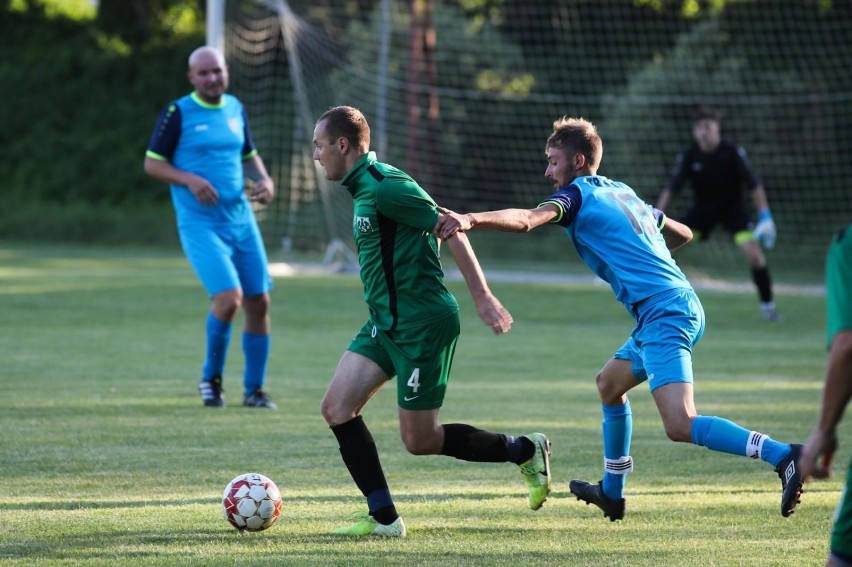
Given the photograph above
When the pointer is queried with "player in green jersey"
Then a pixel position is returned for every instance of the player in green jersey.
(412, 329)
(818, 451)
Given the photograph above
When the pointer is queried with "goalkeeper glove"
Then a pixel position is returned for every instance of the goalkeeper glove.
(765, 230)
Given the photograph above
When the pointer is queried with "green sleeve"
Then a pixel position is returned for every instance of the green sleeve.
(407, 203)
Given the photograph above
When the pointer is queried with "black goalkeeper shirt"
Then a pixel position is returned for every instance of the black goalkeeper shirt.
(717, 178)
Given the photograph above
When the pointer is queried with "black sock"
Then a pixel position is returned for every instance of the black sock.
(521, 449)
(467, 443)
(386, 515)
(761, 279)
(362, 459)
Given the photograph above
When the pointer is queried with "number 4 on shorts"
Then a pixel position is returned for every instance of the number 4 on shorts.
(414, 381)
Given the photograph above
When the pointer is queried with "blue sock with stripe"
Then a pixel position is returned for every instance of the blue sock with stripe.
(617, 432)
(719, 434)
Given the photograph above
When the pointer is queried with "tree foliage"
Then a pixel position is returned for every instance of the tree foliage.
(86, 102)
(775, 102)
(88, 90)
(139, 21)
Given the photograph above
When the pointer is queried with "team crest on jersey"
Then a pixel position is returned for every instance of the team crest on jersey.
(234, 125)
(363, 224)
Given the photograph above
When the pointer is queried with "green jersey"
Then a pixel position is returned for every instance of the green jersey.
(401, 268)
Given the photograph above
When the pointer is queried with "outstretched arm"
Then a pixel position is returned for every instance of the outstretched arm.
(504, 220)
(490, 310)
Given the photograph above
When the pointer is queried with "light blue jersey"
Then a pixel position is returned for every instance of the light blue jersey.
(222, 242)
(617, 236)
(210, 141)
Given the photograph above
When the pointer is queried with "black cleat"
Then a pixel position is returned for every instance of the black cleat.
(791, 480)
(258, 399)
(211, 392)
(594, 494)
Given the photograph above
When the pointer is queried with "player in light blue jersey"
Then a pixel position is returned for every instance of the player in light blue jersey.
(626, 243)
(203, 149)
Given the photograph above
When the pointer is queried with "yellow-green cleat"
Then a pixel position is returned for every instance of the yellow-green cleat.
(536, 471)
(366, 525)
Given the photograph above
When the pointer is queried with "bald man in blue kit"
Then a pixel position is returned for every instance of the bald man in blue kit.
(202, 148)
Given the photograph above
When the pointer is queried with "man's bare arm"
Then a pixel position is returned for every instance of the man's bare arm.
(490, 310)
(504, 220)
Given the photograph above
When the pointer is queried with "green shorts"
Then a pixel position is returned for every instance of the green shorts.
(838, 282)
(421, 357)
(841, 528)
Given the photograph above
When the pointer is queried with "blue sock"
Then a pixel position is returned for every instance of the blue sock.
(256, 350)
(218, 339)
(378, 499)
(617, 432)
(718, 434)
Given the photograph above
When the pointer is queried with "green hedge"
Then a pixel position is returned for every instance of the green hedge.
(78, 110)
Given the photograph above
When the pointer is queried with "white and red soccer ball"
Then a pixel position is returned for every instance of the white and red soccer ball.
(251, 502)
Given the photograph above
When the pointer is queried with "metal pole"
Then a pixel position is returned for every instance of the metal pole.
(381, 81)
(216, 24)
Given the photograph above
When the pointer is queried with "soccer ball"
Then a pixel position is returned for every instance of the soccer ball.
(251, 502)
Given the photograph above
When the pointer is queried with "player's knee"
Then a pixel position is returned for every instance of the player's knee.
(601, 384)
(609, 394)
(226, 303)
(753, 254)
(325, 411)
(333, 413)
(417, 444)
(417, 448)
(678, 431)
(257, 304)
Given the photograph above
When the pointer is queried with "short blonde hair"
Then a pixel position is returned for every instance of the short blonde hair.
(577, 135)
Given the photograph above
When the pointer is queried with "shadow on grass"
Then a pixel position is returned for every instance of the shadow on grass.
(30, 505)
(400, 496)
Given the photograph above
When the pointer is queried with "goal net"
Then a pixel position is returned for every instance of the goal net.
(462, 95)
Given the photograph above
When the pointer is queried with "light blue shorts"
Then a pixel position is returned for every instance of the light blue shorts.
(227, 257)
(660, 346)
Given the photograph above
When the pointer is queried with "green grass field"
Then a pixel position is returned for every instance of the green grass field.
(108, 458)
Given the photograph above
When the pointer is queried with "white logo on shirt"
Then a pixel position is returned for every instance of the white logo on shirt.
(363, 224)
(234, 125)
(201, 127)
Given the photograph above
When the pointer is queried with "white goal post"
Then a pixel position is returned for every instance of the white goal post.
(216, 23)
(306, 180)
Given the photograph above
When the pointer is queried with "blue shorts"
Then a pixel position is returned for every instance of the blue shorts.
(660, 346)
(227, 257)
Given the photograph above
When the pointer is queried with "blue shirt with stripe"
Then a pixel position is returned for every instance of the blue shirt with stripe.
(617, 236)
(210, 141)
